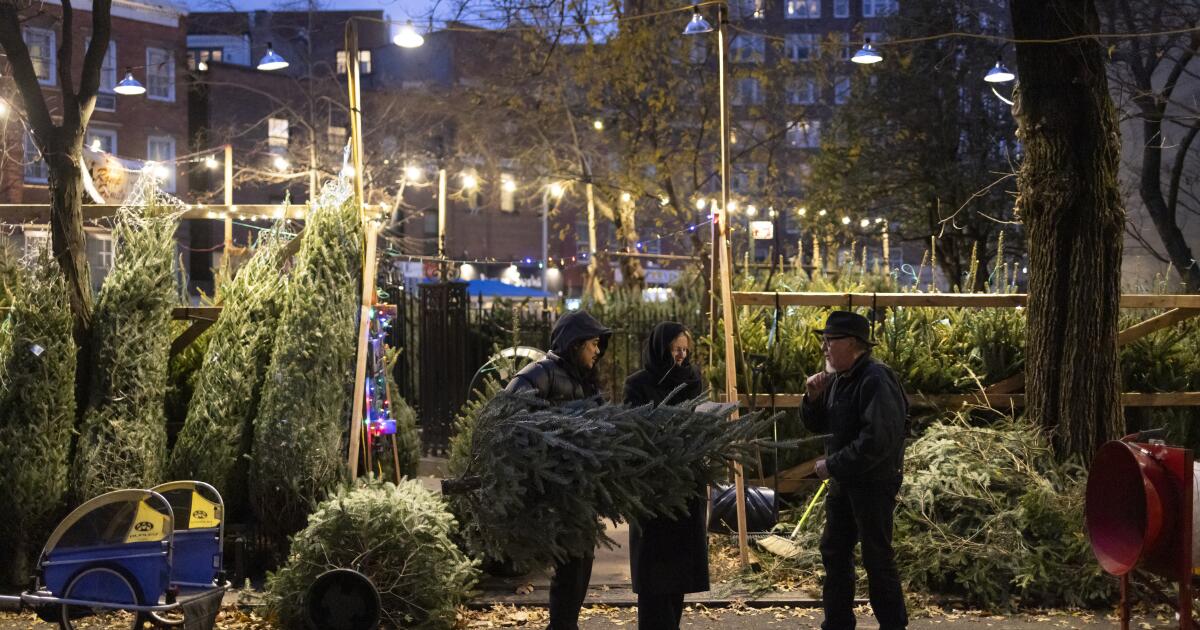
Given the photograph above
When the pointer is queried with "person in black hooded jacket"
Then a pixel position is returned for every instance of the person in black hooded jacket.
(667, 556)
(567, 373)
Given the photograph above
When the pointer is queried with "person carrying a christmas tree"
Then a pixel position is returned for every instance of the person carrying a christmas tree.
(860, 403)
(667, 556)
(567, 373)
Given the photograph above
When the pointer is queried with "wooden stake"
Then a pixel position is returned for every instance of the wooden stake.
(364, 332)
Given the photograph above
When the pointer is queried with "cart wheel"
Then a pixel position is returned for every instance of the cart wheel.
(104, 585)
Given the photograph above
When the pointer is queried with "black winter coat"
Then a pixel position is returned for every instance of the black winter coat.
(556, 378)
(667, 555)
(865, 412)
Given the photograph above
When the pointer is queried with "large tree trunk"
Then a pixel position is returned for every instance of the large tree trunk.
(66, 226)
(1072, 209)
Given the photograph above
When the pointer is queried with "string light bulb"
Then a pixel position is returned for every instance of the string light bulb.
(556, 190)
(413, 173)
(211, 162)
(279, 163)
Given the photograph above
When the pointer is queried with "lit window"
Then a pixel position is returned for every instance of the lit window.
(36, 242)
(106, 99)
(104, 251)
(36, 170)
(364, 62)
(204, 55)
(40, 42)
(98, 139)
(277, 135)
(160, 74)
(161, 150)
(803, 9)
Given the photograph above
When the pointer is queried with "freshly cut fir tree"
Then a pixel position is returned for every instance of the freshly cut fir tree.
(37, 411)
(214, 444)
(546, 475)
(297, 454)
(123, 436)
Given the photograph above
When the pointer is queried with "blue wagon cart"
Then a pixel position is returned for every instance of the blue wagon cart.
(134, 559)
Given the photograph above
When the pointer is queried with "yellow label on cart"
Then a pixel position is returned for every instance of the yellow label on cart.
(205, 513)
(149, 525)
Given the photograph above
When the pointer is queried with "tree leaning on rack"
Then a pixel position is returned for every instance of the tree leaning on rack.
(61, 146)
(1071, 205)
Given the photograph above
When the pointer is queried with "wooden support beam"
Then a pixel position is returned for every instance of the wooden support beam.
(18, 213)
(976, 300)
(370, 263)
(191, 334)
(998, 401)
(1155, 324)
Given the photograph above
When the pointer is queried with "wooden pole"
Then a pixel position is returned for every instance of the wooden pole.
(228, 249)
(352, 85)
(364, 331)
(723, 254)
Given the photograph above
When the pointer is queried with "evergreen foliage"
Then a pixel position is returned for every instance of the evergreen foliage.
(214, 445)
(37, 411)
(548, 474)
(297, 454)
(399, 537)
(123, 439)
(985, 513)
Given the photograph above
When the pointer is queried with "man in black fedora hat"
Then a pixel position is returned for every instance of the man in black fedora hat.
(860, 403)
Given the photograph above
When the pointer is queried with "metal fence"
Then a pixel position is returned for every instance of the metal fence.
(438, 362)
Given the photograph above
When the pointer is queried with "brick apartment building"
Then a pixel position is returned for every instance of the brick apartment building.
(125, 131)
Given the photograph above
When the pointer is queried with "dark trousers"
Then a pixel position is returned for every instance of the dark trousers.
(659, 611)
(568, 588)
(853, 514)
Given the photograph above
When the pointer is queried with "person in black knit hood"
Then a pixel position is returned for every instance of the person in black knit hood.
(667, 556)
(567, 373)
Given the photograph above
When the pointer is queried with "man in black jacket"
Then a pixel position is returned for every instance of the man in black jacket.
(568, 373)
(861, 404)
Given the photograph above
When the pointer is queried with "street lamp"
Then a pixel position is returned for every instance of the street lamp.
(272, 60)
(999, 74)
(129, 86)
(867, 54)
(696, 26)
(408, 37)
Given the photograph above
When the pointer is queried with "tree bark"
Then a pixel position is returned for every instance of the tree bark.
(1071, 205)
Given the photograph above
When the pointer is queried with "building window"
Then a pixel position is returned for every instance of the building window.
(804, 134)
(841, 8)
(277, 135)
(99, 139)
(748, 91)
(106, 99)
(36, 242)
(364, 62)
(161, 150)
(803, 9)
(802, 91)
(40, 42)
(196, 56)
(841, 90)
(508, 190)
(879, 8)
(36, 169)
(843, 46)
(104, 251)
(160, 74)
(801, 46)
(336, 135)
(697, 49)
(748, 48)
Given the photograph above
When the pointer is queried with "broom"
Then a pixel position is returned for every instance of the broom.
(787, 547)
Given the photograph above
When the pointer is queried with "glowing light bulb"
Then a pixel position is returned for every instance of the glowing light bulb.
(845, 220)
(413, 173)
(556, 189)
(211, 162)
(469, 181)
(279, 163)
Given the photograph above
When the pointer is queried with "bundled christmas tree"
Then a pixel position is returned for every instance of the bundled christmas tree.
(399, 537)
(546, 475)
(37, 411)
(298, 453)
(214, 445)
(123, 438)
